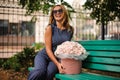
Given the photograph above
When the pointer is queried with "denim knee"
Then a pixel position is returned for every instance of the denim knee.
(37, 74)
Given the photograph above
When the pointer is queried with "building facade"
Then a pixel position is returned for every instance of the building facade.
(18, 30)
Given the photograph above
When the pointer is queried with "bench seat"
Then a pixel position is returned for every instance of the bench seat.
(30, 68)
(82, 76)
(104, 55)
(85, 76)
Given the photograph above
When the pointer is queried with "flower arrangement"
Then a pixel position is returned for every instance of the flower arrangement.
(72, 50)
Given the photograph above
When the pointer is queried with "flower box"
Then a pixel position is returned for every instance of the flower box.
(71, 66)
(71, 54)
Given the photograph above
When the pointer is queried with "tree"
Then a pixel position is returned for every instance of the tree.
(103, 11)
(43, 5)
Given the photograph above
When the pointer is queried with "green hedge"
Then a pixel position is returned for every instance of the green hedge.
(22, 60)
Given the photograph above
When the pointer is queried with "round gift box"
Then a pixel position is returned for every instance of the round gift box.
(71, 66)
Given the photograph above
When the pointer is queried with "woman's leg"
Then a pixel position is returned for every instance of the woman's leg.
(40, 68)
(51, 71)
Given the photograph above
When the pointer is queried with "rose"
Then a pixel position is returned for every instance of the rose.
(71, 49)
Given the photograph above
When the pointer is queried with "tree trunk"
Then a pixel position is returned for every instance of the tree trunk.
(103, 31)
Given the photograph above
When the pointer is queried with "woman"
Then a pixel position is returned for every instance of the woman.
(59, 30)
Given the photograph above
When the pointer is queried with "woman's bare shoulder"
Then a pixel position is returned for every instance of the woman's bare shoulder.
(48, 28)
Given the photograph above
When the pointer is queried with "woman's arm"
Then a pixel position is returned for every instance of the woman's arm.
(48, 44)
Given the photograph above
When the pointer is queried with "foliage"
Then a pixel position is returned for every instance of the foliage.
(2, 61)
(37, 46)
(44, 5)
(22, 60)
(12, 63)
(103, 11)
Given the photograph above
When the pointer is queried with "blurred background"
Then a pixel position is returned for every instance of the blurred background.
(18, 31)
(23, 23)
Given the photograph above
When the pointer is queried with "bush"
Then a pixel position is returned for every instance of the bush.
(22, 60)
(37, 46)
(12, 63)
(2, 60)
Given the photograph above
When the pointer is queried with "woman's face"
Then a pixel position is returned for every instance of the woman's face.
(58, 13)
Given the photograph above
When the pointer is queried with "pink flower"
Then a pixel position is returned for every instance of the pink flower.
(71, 49)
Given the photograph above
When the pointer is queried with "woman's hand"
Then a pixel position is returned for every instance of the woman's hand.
(60, 68)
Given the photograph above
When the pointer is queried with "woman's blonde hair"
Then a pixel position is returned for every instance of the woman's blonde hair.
(65, 20)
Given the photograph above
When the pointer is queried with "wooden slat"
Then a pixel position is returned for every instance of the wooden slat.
(93, 76)
(85, 76)
(100, 42)
(104, 67)
(102, 48)
(104, 54)
(30, 68)
(104, 60)
(70, 77)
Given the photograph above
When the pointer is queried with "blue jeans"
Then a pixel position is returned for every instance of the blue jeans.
(44, 68)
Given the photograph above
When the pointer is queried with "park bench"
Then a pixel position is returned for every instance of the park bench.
(104, 55)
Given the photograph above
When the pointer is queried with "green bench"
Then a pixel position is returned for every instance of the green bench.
(104, 55)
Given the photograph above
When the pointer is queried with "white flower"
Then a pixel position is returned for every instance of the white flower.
(71, 49)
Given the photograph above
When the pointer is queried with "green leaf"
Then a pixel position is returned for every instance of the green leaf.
(103, 10)
(36, 5)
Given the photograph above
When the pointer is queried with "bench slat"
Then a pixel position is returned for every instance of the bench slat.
(104, 67)
(104, 54)
(102, 48)
(100, 42)
(104, 60)
(30, 68)
(85, 76)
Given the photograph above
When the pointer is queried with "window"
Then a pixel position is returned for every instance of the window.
(13, 30)
(27, 29)
(4, 27)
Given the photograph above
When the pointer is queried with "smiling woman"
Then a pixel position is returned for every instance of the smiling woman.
(57, 31)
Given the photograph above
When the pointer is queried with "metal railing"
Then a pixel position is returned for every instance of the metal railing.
(17, 31)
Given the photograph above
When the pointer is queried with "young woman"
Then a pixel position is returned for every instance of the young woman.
(59, 30)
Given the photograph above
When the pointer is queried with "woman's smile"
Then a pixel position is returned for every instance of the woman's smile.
(58, 13)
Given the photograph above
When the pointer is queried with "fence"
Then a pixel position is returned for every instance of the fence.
(17, 31)
(87, 29)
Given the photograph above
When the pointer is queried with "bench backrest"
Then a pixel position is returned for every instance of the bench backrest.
(103, 55)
